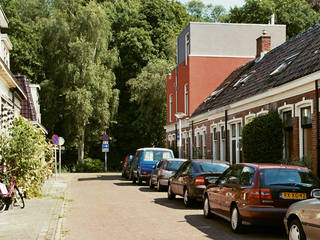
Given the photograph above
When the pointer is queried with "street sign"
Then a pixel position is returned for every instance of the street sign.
(55, 139)
(105, 137)
(105, 147)
(61, 141)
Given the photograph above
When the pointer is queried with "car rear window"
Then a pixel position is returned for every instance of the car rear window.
(173, 165)
(210, 167)
(289, 177)
(157, 155)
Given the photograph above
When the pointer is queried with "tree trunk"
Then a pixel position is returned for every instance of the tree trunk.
(81, 146)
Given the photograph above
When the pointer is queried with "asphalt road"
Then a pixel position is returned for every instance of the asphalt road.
(105, 206)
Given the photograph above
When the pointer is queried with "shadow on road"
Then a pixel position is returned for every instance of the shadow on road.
(219, 229)
(124, 184)
(175, 204)
(146, 189)
(102, 178)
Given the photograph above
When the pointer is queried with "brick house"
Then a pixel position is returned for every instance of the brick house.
(206, 54)
(284, 79)
(11, 93)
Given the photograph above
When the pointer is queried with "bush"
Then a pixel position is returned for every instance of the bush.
(90, 165)
(262, 139)
(27, 151)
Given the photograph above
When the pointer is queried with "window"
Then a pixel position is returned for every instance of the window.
(284, 65)
(306, 127)
(222, 144)
(287, 134)
(187, 48)
(246, 177)
(186, 99)
(204, 145)
(214, 144)
(170, 107)
(235, 143)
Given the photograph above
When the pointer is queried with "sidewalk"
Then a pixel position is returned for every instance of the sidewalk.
(41, 218)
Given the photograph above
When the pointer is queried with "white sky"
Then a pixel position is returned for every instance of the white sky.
(226, 3)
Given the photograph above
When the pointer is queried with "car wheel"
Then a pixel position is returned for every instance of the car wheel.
(186, 198)
(139, 180)
(206, 208)
(171, 195)
(151, 186)
(296, 231)
(159, 186)
(236, 222)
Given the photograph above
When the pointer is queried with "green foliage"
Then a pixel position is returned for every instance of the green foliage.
(303, 162)
(201, 12)
(79, 66)
(297, 15)
(24, 27)
(148, 90)
(90, 165)
(262, 139)
(28, 152)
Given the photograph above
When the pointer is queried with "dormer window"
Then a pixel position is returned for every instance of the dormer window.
(284, 65)
(244, 78)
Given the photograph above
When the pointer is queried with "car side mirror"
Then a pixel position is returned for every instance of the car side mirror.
(315, 193)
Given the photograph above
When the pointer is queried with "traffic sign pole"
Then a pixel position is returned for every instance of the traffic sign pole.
(60, 159)
(55, 160)
(105, 162)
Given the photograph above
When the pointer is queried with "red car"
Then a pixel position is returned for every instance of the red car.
(247, 194)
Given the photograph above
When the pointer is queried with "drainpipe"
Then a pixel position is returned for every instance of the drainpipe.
(176, 131)
(192, 136)
(317, 127)
(226, 133)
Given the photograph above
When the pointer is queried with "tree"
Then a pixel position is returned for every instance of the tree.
(205, 13)
(262, 139)
(79, 93)
(148, 90)
(297, 15)
(143, 31)
(24, 26)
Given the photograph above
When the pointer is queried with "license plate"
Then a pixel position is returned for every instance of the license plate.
(291, 195)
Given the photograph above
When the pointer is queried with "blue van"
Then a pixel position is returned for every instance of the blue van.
(145, 159)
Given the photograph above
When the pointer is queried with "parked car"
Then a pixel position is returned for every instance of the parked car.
(302, 220)
(145, 159)
(163, 170)
(190, 179)
(248, 193)
(125, 167)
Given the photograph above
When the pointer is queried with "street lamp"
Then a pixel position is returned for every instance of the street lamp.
(180, 115)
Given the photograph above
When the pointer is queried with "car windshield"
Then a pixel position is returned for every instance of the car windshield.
(157, 155)
(288, 177)
(210, 167)
(173, 165)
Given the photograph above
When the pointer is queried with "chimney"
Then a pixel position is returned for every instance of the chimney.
(263, 44)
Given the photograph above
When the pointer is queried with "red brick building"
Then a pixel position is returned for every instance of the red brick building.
(285, 79)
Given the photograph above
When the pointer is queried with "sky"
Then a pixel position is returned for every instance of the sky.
(226, 3)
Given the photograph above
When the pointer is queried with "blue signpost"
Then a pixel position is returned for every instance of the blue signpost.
(105, 149)
(55, 141)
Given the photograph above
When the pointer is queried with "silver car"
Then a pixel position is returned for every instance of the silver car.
(302, 220)
(163, 171)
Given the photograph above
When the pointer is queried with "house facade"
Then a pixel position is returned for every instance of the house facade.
(11, 93)
(285, 79)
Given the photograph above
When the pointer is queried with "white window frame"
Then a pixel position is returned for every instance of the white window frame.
(285, 108)
(237, 138)
(302, 104)
(222, 147)
(262, 112)
(214, 142)
(249, 117)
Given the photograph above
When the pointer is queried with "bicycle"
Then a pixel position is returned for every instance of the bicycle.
(14, 192)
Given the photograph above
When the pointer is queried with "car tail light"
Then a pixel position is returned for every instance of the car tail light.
(144, 173)
(199, 181)
(263, 193)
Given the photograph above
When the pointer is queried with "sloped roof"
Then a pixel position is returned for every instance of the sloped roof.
(302, 55)
(27, 106)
